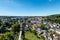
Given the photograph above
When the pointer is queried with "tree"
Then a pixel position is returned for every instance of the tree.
(8, 36)
(42, 26)
(2, 29)
(0, 22)
(29, 21)
(7, 24)
(15, 28)
(53, 18)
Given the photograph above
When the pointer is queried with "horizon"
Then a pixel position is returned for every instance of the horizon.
(29, 7)
(28, 15)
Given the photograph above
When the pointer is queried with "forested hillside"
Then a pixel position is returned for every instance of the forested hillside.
(53, 18)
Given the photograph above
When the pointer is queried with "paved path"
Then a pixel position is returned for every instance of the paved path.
(20, 35)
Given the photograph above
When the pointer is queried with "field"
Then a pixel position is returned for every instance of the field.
(31, 36)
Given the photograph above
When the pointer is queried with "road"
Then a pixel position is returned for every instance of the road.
(20, 35)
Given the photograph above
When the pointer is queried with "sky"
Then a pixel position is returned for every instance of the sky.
(29, 7)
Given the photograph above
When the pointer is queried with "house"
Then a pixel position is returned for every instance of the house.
(51, 26)
(34, 26)
(38, 31)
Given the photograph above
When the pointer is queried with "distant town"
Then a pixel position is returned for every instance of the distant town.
(30, 27)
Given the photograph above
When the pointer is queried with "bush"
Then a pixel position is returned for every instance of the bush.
(2, 37)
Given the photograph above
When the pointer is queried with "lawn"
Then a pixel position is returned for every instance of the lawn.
(31, 36)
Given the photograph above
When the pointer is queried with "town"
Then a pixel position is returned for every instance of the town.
(28, 28)
(29, 19)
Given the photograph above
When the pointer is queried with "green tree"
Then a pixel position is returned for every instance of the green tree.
(7, 24)
(0, 22)
(15, 28)
(42, 26)
(2, 29)
(8, 36)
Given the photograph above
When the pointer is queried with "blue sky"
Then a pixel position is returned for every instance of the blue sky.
(29, 7)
